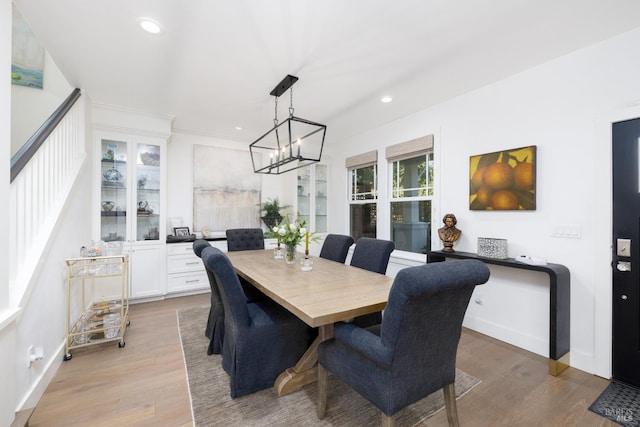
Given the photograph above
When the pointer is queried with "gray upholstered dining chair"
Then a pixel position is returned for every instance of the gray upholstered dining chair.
(373, 255)
(215, 322)
(261, 338)
(336, 247)
(413, 352)
(244, 239)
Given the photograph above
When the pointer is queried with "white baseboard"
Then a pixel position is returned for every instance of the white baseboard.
(501, 332)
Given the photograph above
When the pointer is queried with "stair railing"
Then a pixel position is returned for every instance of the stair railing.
(43, 173)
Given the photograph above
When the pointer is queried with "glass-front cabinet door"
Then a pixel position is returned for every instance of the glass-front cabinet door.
(312, 196)
(320, 198)
(304, 194)
(114, 198)
(130, 191)
(148, 185)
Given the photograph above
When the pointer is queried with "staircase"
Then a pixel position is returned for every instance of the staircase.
(43, 173)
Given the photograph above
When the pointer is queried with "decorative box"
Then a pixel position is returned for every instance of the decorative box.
(492, 248)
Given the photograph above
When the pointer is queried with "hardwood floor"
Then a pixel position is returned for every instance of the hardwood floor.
(144, 383)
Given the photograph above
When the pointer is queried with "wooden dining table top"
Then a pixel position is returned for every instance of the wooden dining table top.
(330, 292)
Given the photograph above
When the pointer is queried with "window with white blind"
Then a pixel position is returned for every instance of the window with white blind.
(412, 187)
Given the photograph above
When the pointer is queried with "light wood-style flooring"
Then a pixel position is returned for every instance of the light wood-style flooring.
(144, 383)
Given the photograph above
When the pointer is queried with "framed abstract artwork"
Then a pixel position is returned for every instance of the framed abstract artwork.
(503, 180)
(226, 192)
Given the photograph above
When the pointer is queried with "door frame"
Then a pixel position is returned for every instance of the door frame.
(602, 227)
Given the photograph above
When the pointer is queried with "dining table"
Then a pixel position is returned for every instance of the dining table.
(329, 292)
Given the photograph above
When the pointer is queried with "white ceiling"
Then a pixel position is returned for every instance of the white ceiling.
(215, 63)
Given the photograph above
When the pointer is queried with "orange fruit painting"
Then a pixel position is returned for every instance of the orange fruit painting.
(503, 180)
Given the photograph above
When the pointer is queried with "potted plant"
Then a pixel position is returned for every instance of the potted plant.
(271, 212)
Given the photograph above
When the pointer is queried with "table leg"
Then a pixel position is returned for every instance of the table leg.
(556, 367)
(305, 371)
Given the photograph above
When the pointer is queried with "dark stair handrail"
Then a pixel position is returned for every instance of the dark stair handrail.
(29, 149)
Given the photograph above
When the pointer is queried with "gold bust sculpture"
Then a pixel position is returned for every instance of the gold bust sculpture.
(449, 233)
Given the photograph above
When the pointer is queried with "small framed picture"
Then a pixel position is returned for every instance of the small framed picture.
(181, 231)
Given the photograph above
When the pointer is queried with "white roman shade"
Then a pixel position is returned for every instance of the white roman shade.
(360, 160)
(408, 149)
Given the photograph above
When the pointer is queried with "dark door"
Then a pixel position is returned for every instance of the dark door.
(626, 252)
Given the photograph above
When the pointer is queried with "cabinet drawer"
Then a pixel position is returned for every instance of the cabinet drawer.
(187, 282)
(180, 249)
(183, 264)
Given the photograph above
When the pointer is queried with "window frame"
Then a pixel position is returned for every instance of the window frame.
(429, 190)
(352, 196)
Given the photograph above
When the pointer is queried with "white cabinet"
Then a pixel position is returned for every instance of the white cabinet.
(312, 196)
(131, 197)
(147, 270)
(185, 271)
(130, 181)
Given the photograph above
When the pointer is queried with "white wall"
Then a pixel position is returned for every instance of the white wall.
(30, 107)
(7, 324)
(557, 107)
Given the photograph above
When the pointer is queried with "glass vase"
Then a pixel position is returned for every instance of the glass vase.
(277, 253)
(290, 255)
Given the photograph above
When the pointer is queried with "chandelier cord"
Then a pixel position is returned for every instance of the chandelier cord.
(291, 102)
(275, 119)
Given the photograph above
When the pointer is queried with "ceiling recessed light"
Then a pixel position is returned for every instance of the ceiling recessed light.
(386, 99)
(238, 127)
(149, 25)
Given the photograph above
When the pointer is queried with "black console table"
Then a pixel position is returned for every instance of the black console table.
(559, 302)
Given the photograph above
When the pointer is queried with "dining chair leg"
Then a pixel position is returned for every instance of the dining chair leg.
(321, 407)
(450, 404)
(388, 421)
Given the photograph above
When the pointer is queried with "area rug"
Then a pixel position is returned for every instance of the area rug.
(212, 406)
(619, 403)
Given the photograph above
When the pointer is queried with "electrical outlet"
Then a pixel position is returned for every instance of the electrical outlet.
(35, 353)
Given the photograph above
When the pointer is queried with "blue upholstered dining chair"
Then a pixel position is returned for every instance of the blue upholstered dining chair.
(261, 338)
(244, 239)
(215, 323)
(336, 247)
(413, 352)
(373, 255)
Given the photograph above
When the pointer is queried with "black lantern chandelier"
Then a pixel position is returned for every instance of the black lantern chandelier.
(289, 145)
